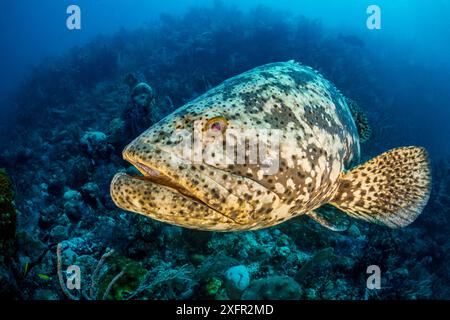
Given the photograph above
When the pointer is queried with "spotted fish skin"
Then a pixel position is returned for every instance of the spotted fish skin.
(318, 141)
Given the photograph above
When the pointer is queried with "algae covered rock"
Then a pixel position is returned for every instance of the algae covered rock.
(96, 144)
(237, 280)
(116, 130)
(142, 94)
(91, 194)
(7, 216)
(273, 288)
(7, 237)
(72, 195)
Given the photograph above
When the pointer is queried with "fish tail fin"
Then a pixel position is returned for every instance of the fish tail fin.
(391, 189)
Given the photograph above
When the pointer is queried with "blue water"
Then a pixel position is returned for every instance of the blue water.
(412, 44)
(58, 84)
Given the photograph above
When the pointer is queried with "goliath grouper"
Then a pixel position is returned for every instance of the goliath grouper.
(320, 135)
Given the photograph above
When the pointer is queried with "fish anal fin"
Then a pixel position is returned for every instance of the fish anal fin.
(391, 189)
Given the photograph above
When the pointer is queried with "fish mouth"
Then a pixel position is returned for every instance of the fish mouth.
(164, 203)
(198, 188)
(156, 177)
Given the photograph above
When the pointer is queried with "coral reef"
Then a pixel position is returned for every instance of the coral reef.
(7, 214)
(273, 288)
(8, 244)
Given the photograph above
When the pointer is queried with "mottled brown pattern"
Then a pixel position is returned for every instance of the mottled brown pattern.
(319, 140)
(391, 189)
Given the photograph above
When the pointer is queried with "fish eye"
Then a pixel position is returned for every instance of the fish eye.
(216, 124)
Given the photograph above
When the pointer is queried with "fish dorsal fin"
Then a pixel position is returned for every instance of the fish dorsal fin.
(361, 121)
(330, 218)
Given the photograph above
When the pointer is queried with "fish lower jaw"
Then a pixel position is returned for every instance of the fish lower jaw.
(156, 177)
(181, 184)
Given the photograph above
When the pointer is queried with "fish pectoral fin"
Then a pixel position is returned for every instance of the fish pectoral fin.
(391, 189)
(330, 218)
(361, 121)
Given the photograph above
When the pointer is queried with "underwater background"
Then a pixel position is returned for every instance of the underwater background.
(66, 113)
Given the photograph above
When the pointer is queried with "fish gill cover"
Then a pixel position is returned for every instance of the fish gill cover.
(74, 114)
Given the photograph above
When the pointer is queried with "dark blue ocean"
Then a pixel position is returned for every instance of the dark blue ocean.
(72, 73)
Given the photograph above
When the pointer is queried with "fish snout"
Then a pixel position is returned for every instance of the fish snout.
(198, 181)
(166, 205)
